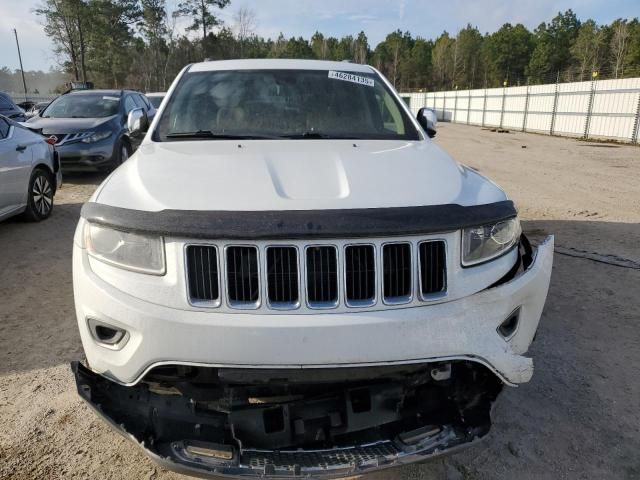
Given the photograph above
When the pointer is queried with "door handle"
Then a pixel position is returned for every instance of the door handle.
(21, 148)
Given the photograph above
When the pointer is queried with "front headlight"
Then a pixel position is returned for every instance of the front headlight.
(96, 137)
(140, 253)
(486, 242)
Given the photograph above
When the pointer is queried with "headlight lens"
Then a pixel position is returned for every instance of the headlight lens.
(480, 244)
(96, 137)
(140, 253)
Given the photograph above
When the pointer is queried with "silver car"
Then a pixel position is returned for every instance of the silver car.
(29, 173)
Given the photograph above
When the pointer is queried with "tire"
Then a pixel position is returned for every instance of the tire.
(40, 196)
(123, 154)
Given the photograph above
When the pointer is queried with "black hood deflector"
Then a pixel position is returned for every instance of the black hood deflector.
(299, 224)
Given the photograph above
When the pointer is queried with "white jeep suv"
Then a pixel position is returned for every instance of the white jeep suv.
(290, 279)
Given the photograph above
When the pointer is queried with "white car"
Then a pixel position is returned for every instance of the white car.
(29, 173)
(289, 279)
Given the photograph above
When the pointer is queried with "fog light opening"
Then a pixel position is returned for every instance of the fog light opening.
(508, 328)
(107, 335)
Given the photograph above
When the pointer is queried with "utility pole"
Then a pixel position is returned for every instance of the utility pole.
(24, 83)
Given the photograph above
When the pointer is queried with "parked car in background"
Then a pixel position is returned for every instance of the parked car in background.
(10, 110)
(92, 128)
(36, 108)
(29, 173)
(291, 280)
(156, 98)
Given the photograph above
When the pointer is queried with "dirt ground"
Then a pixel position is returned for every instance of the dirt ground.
(578, 418)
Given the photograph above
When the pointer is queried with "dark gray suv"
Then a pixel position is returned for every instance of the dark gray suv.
(90, 128)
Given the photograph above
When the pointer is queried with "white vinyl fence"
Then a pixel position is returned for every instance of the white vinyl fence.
(32, 97)
(595, 109)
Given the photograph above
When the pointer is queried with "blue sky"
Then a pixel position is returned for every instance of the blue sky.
(335, 17)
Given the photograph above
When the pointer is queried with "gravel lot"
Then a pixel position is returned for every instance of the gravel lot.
(578, 418)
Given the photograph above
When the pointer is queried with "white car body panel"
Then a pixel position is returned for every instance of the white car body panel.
(374, 174)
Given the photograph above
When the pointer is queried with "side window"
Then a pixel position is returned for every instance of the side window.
(139, 103)
(145, 100)
(390, 113)
(129, 104)
(4, 129)
(4, 102)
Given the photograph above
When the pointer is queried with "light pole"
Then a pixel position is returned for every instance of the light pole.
(24, 83)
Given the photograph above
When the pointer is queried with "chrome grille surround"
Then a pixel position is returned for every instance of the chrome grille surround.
(243, 266)
(305, 303)
(330, 302)
(431, 295)
(193, 254)
(287, 286)
(413, 261)
(353, 266)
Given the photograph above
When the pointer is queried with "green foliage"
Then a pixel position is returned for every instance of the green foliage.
(201, 14)
(134, 43)
(553, 46)
(507, 53)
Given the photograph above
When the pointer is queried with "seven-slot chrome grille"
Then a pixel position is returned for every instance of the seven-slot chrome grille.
(284, 277)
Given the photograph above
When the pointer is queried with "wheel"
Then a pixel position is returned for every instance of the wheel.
(40, 196)
(123, 153)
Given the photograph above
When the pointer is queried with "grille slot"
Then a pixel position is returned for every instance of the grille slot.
(202, 278)
(282, 277)
(396, 259)
(433, 268)
(322, 276)
(360, 275)
(243, 285)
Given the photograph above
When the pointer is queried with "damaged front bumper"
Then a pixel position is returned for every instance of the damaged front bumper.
(331, 423)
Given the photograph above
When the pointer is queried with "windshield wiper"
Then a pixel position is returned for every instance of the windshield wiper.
(214, 135)
(313, 136)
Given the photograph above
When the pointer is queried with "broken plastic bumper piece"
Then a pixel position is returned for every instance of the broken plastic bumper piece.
(330, 424)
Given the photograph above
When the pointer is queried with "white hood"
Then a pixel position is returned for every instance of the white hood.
(292, 175)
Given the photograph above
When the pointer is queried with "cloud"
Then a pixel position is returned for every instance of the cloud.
(401, 8)
(362, 17)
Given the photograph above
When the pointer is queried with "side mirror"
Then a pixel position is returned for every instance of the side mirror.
(137, 122)
(426, 119)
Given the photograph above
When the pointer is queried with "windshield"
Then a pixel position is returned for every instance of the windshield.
(83, 106)
(283, 104)
(155, 101)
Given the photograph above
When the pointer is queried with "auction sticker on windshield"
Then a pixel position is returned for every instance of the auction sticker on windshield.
(350, 77)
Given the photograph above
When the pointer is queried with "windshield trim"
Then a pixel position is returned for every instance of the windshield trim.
(410, 124)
